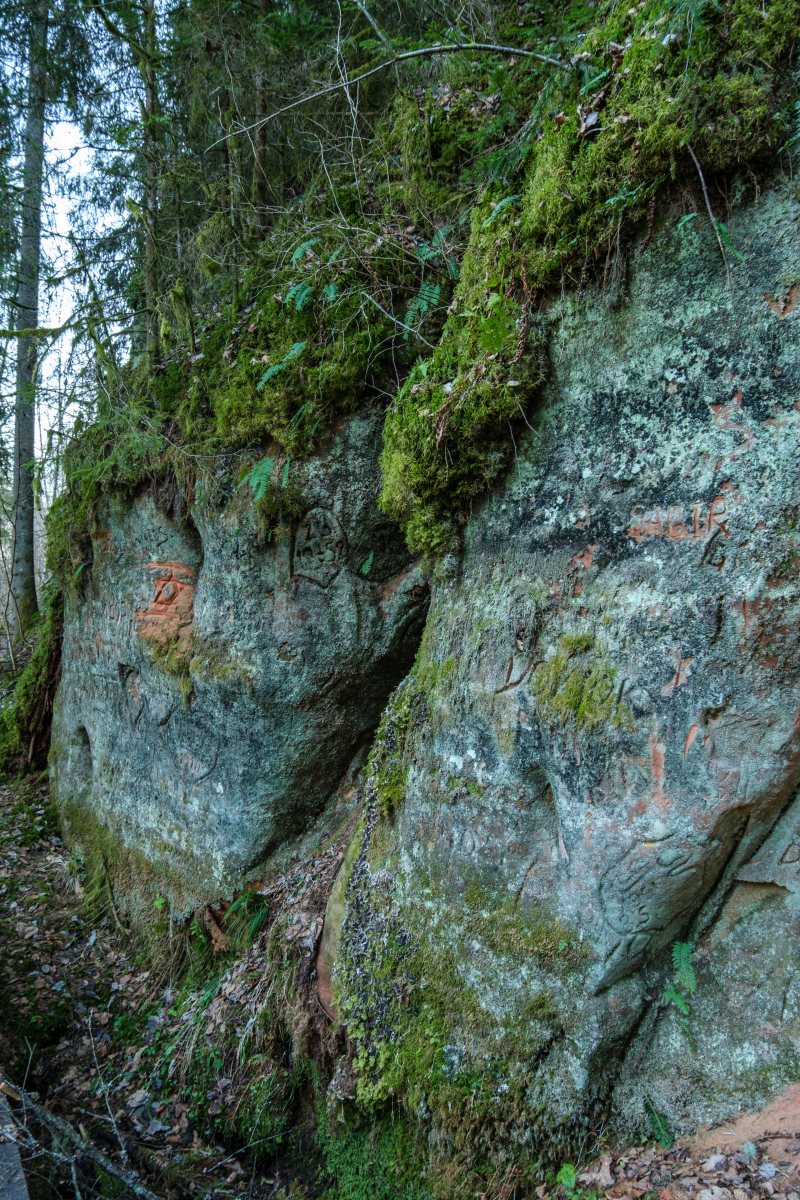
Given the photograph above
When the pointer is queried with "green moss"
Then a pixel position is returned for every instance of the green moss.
(172, 656)
(520, 934)
(216, 660)
(446, 438)
(382, 1160)
(576, 686)
(425, 1045)
(25, 721)
(114, 876)
(407, 708)
(601, 141)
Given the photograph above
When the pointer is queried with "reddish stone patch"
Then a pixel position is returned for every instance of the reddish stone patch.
(325, 984)
(782, 308)
(171, 611)
(102, 540)
(667, 522)
(585, 560)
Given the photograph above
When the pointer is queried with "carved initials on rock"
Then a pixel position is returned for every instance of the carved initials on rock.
(669, 523)
(320, 547)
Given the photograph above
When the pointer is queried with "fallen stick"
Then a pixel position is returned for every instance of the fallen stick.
(79, 1145)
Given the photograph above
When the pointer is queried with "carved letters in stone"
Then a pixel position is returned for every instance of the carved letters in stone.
(195, 747)
(653, 882)
(320, 547)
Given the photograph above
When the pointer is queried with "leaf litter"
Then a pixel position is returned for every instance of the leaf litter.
(105, 1041)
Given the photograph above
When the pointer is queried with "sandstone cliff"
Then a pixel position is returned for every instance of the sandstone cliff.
(592, 761)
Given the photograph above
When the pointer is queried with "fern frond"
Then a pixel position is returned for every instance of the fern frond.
(295, 349)
(258, 478)
(678, 999)
(684, 971)
(428, 296)
(661, 1131)
(301, 293)
(301, 249)
(684, 1024)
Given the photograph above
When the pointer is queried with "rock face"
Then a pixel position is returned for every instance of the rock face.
(215, 690)
(607, 721)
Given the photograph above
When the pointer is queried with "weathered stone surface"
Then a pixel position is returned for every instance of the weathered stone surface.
(12, 1178)
(291, 648)
(611, 674)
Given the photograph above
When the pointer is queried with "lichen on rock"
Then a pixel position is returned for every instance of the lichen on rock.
(216, 689)
(616, 736)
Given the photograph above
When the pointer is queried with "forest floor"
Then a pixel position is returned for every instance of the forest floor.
(81, 1014)
(79, 1018)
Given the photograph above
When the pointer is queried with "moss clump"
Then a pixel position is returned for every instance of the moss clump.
(425, 1044)
(112, 873)
(216, 660)
(25, 722)
(407, 709)
(446, 438)
(172, 656)
(602, 138)
(519, 934)
(382, 1160)
(576, 686)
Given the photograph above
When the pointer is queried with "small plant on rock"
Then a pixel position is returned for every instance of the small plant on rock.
(680, 993)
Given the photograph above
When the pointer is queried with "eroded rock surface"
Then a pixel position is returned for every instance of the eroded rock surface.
(610, 682)
(215, 690)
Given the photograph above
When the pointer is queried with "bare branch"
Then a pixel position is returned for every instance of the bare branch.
(70, 1137)
(712, 218)
(424, 52)
(362, 8)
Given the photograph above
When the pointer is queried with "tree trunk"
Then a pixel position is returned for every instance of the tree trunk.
(23, 580)
(259, 192)
(151, 170)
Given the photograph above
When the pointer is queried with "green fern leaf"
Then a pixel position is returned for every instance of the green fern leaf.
(684, 1024)
(258, 478)
(661, 1130)
(684, 971)
(725, 238)
(671, 996)
(295, 349)
(498, 208)
(301, 293)
(428, 296)
(301, 249)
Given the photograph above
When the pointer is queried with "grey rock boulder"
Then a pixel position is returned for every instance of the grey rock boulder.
(214, 690)
(612, 675)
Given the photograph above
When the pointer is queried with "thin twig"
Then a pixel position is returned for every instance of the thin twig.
(105, 1091)
(366, 13)
(424, 52)
(712, 218)
(75, 1180)
(410, 329)
(72, 1138)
